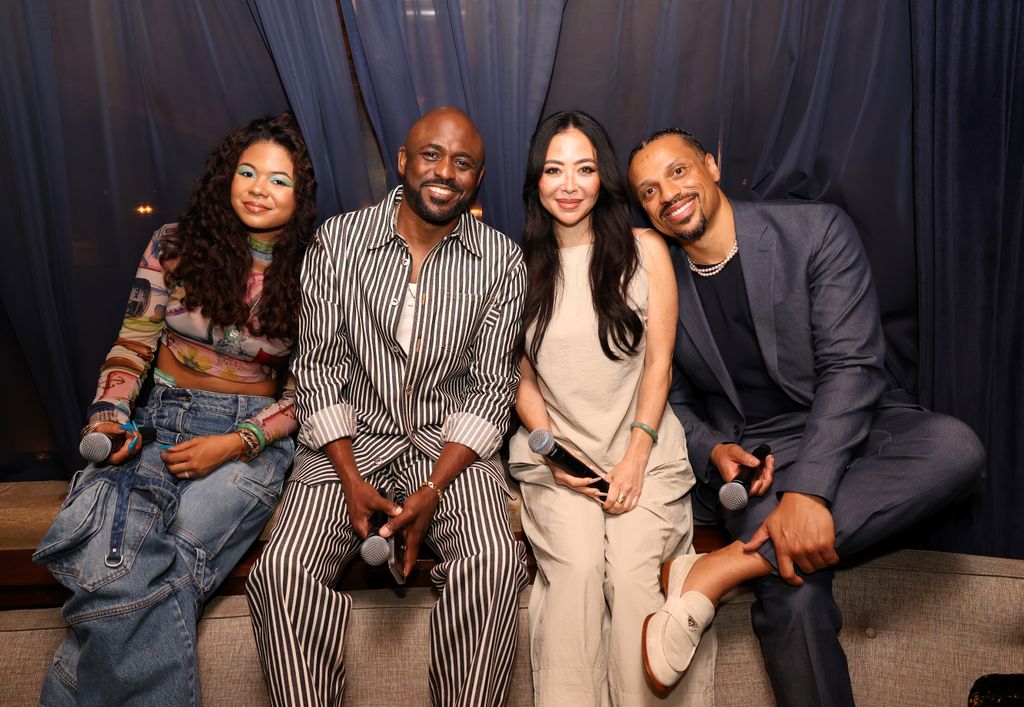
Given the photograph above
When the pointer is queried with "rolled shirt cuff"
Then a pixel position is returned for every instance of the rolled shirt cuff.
(328, 425)
(471, 431)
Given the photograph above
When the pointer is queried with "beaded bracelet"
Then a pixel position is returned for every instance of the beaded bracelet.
(646, 428)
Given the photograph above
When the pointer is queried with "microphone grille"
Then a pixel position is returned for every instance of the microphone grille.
(375, 550)
(733, 496)
(95, 447)
(542, 441)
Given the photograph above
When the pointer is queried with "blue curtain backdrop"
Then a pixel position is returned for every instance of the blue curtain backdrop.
(908, 115)
(106, 105)
(968, 196)
(491, 58)
(797, 99)
(308, 47)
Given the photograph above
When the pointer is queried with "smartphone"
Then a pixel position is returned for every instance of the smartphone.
(396, 543)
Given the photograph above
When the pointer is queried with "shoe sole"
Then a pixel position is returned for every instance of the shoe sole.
(660, 690)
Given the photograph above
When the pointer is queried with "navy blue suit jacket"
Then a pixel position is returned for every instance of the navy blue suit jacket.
(815, 314)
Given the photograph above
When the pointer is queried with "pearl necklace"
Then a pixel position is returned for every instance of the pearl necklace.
(712, 270)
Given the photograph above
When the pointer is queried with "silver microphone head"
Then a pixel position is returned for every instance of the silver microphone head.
(95, 447)
(375, 550)
(542, 441)
(733, 496)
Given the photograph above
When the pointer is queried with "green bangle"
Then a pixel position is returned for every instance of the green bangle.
(646, 428)
(255, 429)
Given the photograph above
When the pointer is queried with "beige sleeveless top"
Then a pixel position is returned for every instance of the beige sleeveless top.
(591, 399)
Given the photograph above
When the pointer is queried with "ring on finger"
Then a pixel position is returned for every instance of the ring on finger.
(188, 473)
(621, 498)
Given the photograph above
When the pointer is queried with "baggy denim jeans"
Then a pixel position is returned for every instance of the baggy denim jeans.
(141, 552)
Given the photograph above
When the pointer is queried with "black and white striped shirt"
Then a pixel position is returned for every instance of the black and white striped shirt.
(458, 381)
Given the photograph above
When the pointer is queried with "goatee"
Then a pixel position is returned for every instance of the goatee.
(427, 210)
(696, 232)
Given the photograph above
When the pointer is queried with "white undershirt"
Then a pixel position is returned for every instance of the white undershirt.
(404, 332)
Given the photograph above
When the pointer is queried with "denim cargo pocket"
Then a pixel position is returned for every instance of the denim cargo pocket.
(79, 519)
(76, 546)
(263, 477)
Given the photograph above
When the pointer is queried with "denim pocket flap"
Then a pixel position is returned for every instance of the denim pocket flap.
(78, 520)
(257, 487)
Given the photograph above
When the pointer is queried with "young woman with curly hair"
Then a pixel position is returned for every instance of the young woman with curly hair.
(599, 327)
(147, 535)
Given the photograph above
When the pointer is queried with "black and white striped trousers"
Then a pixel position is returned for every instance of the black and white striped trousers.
(300, 620)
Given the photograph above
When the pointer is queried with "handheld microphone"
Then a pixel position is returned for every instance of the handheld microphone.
(97, 446)
(375, 550)
(735, 494)
(542, 442)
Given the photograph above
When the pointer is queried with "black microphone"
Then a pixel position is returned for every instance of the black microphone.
(97, 446)
(542, 442)
(735, 494)
(376, 550)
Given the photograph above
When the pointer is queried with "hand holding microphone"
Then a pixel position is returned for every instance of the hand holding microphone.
(96, 446)
(735, 494)
(542, 442)
(376, 550)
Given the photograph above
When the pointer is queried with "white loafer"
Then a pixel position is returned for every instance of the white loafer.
(671, 634)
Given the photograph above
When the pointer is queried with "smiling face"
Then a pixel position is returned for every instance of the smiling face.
(569, 184)
(441, 165)
(676, 186)
(263, 189)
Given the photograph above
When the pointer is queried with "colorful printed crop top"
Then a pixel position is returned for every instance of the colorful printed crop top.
(156, 314)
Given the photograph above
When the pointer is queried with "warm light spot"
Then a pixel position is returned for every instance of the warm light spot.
(476, 211)
(144, 209)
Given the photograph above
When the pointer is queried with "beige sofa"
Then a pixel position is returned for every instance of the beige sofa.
(920, 628)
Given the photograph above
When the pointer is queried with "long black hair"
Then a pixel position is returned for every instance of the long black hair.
(210, 254)
(614, 259)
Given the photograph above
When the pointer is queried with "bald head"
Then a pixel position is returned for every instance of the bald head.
(445, 120)
(441, 165)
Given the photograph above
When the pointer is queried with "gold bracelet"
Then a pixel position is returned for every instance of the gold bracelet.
(91, 426)
(433, 487)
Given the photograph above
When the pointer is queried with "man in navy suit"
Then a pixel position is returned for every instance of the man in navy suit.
(780, 342)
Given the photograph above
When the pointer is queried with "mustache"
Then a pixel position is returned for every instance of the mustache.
(443, 183)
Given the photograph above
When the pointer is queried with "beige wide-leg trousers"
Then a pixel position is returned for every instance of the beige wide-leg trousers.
(597, 579)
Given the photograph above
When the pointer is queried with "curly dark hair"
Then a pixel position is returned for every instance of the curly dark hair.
(209, 253)
(614, 260)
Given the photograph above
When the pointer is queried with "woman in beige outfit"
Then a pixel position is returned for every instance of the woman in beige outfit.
(599, 326)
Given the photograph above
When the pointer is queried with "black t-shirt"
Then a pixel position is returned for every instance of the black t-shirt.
(724, 299)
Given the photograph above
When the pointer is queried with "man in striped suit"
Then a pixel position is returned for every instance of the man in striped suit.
(405, 381)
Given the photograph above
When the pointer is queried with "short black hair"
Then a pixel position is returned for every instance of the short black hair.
(689, 137)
